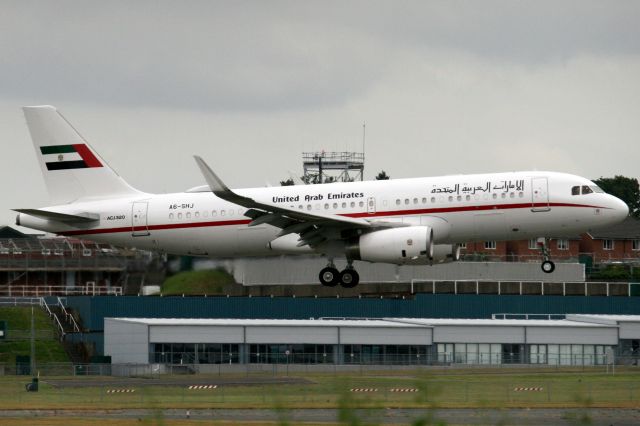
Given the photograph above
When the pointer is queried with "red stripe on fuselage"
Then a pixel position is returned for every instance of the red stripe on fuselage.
(86, 154)
(458, 209)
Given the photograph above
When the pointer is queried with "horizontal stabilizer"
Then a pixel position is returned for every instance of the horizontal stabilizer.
(61, 217)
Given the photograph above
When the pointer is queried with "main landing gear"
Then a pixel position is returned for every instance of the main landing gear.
(547, 265)
(331, 277)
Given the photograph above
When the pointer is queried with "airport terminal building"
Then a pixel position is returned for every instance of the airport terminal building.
(576, 340)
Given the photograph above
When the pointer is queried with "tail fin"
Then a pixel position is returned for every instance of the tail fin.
(72, 170)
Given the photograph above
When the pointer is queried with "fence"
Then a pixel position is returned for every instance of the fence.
(68, 369)
(53, 290)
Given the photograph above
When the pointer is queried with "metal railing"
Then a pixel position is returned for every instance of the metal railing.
(58, 290)
(68, 317)
(525, 287)
(54, 316)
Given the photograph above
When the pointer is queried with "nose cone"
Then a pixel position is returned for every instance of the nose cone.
(620, 209)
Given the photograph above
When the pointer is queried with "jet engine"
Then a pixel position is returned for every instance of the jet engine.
(411, 244)
(445, 253)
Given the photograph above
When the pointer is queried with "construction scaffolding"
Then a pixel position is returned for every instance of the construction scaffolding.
(326, 167)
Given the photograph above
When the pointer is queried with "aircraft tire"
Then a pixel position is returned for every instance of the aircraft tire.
(349, 278)
(548, 266)
(329, 277)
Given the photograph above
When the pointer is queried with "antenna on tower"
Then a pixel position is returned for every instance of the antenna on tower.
(364, 134)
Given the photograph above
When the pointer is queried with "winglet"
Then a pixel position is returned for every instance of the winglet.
(219, 188)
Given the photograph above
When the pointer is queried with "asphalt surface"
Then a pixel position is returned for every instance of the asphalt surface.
(527, 417)
(180, 381)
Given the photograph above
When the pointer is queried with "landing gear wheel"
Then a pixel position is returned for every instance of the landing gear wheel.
(329, 276)
(548, 266)
(349, 278)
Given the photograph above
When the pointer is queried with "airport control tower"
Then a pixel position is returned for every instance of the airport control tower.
(324, 167)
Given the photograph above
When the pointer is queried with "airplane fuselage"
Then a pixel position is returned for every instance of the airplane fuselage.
(499, 206)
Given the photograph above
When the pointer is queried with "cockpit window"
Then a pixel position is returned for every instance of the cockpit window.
(586, 190)
(575, 190)
(597, 189)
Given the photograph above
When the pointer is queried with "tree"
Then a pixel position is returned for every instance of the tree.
(288, 182)
(627, 189)
(383, 176)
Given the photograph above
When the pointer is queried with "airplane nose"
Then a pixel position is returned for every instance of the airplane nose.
(620, 208)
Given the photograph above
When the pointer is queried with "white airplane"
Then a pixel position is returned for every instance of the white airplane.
(400, 221)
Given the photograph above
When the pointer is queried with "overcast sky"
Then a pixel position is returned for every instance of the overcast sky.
(444, 87)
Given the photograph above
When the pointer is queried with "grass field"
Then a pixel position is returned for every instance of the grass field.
(211, 281)
(453, 389)
(48, 348)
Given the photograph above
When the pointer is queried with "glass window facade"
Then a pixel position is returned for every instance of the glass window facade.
(195, 353)
(294, 354)
(385, 354)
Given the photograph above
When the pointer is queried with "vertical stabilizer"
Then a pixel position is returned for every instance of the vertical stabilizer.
(72, 170)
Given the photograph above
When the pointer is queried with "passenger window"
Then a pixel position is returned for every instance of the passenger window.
(397, 202)
(300, 207)
(495, 196)
(171, 216)
(222, 212)
(504, 195)
(335, 205)
(450, 198)
(326, 206)
(521, 194)
(353, 203)
(308, 206)
(179, 215)
(586, 190)
(512, 195)
(415, 201)
(188, 215)
(214, 213)
(406, 201)
(459, 197)
(361, 203)
(433, 199)
(344, 205)
(575, 190)
(468, 197)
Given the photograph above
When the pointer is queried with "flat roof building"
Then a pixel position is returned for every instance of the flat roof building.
(576, 340)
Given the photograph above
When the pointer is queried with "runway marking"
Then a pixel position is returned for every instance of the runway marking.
(202, 387)
(403, 390)
(528, 389)
(364, 390)
(120, 390)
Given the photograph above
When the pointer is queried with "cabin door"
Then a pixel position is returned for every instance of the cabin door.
(139, 224)
(371, 205)
(540, 194)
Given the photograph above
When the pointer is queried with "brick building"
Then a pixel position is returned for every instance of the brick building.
(619, 242)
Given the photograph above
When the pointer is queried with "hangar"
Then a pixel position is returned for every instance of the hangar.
(575, 340)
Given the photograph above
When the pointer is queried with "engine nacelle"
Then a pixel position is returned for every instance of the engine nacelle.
(445, 253)
(411, 244)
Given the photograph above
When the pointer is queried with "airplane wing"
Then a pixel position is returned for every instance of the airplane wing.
(312, 227)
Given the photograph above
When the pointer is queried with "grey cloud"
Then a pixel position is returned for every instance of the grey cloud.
(276, 55)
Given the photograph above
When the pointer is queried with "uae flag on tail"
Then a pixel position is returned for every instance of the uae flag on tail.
(65, 157)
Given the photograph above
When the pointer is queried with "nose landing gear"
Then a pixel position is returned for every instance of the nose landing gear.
(331, 277)
(547, 264)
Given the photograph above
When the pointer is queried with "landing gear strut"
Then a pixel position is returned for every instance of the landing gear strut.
(547, 265)
(331, 277)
